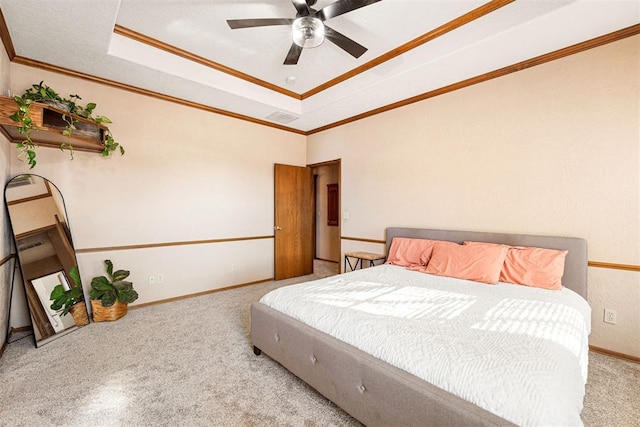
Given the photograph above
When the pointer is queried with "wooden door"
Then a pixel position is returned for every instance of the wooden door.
(293, 228)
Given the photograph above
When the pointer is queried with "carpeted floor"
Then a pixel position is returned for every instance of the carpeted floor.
(190, 363)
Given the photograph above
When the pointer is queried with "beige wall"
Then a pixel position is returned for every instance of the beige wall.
(5, 230)
(549, 150)
(554, 150)
(187, 175)
(327, 237)
(6, 244)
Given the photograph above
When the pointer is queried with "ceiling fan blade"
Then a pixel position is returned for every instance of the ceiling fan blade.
(249, 23)
(293, 55)
(343, 42)
(302, 7)
(341, 7)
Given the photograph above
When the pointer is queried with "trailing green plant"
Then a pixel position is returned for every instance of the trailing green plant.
(114, 288)
(65, 299)
(40, 92)
(26, 148)
(110, 145)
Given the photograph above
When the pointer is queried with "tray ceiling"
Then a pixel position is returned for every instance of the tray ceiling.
(186, 50)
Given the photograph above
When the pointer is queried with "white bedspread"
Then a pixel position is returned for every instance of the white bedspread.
(516, 351)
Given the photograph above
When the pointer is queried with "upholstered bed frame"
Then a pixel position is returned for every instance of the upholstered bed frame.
(373, 391)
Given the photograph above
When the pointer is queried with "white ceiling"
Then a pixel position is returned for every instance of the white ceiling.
(79, 35)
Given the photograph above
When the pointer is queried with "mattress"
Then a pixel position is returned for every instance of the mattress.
(516, 351)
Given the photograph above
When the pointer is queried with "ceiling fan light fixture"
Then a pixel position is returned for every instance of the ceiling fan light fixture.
(307, 32)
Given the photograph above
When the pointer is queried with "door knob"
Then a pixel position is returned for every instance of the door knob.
(277, 228)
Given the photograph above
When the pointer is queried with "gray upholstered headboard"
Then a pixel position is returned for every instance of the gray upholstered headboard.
(575, 265)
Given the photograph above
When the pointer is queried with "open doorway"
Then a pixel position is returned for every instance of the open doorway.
(327, 218)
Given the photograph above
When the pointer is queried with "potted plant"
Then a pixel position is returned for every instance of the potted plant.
(111, 295)
(71, 300)
(42, 93)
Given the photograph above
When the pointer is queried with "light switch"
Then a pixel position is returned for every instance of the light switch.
(345, 215)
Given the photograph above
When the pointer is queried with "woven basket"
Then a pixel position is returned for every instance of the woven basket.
(105, 314)
(79, 313)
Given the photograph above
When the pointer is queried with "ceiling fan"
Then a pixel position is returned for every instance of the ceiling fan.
(308, 28)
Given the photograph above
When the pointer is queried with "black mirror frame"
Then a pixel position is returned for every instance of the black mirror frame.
(18, 263)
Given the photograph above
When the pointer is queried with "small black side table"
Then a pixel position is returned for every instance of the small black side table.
(360, 257)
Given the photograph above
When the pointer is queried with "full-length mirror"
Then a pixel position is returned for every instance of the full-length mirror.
(47, 258)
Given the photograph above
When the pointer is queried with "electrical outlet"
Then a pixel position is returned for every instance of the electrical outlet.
(160, 278)
(610, 316)
(233, 267)
(152, 280)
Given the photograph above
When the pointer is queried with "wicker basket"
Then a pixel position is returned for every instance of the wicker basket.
(79, 313)
(105, 314)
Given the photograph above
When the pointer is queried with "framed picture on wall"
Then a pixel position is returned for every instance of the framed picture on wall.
(333, 212)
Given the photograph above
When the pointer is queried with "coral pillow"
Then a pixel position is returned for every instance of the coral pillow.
(542, 268)
(428, 252)
(406, 252)
(413, 253)
(530, 266)
(471, 262)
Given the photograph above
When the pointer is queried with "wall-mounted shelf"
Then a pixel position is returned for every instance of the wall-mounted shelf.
(88, 135)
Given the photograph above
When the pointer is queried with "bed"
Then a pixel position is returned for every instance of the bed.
(372, 385)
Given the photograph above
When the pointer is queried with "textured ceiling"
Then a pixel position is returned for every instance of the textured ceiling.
(185, 49)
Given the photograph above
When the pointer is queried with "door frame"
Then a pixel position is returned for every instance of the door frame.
(314, 166)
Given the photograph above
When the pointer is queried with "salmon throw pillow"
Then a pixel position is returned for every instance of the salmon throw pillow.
(542, 268)
(414, 253)
(478, 263)
(531, 266)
